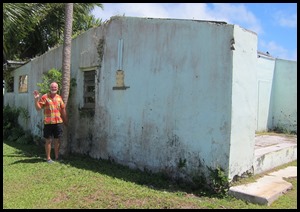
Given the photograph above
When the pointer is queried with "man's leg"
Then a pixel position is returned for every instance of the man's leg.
(56, 147)
(58, 133)
(48, 148)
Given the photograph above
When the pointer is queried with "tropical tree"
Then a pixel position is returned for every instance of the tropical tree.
(18, 21)
(66, 60)
(66, 63)
(31, 29)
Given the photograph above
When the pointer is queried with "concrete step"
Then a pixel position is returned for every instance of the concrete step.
(266, 189)
(273, 151)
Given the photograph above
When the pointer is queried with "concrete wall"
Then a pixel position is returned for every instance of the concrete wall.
(243, 104)
(178, 106)
(277, 94)
(284, 95)
(265, 72)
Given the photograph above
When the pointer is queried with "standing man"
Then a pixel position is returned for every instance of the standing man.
(54, 117)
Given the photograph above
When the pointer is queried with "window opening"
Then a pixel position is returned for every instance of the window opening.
(89, 89)
(23, 84)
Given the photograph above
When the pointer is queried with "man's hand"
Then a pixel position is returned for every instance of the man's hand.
(64, 116)
(36, 100)
(36, 94)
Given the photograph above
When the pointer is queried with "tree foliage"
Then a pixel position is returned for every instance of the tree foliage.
(53, 75)
(31, 29)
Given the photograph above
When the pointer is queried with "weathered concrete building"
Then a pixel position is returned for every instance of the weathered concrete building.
(277, 94)
(167, 95)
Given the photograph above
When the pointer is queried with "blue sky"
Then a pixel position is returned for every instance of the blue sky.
(274, 23)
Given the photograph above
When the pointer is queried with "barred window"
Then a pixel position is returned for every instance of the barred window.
(89, 89)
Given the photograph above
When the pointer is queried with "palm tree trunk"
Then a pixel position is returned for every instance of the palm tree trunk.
(66, 60)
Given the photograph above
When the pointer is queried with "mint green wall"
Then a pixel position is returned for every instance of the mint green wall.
(284, 95)
(265, 72)
(190, 96)
(243, 104)
(277, 94)
(178, 106)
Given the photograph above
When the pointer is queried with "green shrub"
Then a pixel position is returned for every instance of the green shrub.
(10, 120)
(53, 75)
(12, 131)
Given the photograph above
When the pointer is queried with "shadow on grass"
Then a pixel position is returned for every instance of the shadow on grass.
(156, 181)
(31, 160)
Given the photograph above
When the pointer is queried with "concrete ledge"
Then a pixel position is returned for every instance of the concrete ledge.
(266, 189)
(272, 156)
(271, 151)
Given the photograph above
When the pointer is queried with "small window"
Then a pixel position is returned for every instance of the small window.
(23, 84)
(89, 89)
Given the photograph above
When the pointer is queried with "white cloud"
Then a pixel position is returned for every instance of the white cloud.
(154, 10)
(286, 20)
(237, 14)
(130, 9)
(196, 11)
(143, 10)
(230, 13)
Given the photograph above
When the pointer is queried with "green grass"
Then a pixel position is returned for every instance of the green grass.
(82, 182)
